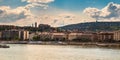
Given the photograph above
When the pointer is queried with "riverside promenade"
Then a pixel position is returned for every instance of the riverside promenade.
(86, 44)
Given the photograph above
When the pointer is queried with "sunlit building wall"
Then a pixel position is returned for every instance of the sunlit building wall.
(117, 35)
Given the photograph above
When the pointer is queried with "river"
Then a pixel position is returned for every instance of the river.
(59, 52)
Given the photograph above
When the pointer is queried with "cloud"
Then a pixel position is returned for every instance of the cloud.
(37, 3)
(60, 19)
(53, 20)
(9, 15)
(110, 12)
(24, 15)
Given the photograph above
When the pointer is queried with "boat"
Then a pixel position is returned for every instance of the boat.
(4, 46)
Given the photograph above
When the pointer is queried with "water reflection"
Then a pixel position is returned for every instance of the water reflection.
(52, 52)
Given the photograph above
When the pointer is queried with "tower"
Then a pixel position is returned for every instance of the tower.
(35, 24)
(32, 25)
(96, 20)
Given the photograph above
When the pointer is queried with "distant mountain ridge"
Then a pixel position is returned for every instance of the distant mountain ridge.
(93, 26)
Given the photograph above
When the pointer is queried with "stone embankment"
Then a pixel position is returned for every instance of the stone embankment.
(86, 44)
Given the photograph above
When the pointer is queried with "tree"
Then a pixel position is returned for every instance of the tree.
(36, 38)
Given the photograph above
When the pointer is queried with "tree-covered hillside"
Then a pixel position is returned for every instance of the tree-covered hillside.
(94, 26)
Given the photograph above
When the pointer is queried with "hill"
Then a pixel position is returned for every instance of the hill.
(93, 26)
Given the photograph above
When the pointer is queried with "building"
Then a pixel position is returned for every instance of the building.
(41, 36)
(72, 36)
(10, 34)
(24, 35)
(0, 35)
(105, 36)
(58, 36)
(32, 35)
(85, 36)
(45, 35)
(94, 37)
(117, 35)
(35, 24)
(15, 35)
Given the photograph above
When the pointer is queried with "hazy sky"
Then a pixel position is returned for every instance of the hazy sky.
(58, 12)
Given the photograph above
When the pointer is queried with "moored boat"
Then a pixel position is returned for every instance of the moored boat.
(4, 46)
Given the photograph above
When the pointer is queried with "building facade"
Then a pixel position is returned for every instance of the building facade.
(72, 36)
(15, 35)
(24, 35)
(45, 35)
(117, 35)
(59, 36)
(105, 36)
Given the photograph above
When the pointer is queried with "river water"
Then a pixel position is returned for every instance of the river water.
(52, 52)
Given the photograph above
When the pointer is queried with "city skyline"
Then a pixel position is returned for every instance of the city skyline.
(57, 12)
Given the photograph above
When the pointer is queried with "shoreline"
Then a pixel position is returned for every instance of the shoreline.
(85, 44)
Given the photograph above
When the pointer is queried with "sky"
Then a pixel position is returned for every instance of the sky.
(58, 12)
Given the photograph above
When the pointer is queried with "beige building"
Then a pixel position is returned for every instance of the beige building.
(48, 35)
(80, 35)
(105, 36)
(74, 35)
(24, 35)
(85, 35)
(117, 35)
(45, 35)
(58, 35)
(94, 37)
(0, 35)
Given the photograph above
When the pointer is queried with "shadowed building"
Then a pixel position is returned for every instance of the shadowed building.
(15, 35)
(35, 24)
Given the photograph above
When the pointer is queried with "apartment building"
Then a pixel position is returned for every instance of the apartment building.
(15, 35)
(105, 36)
(117, 35)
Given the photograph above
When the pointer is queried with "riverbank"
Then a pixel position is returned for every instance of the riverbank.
(85, 44)
(57, 52)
